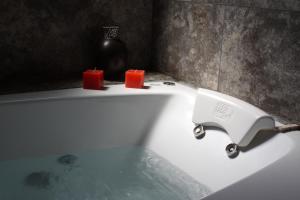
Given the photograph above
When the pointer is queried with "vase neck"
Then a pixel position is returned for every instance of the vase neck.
(111, 32)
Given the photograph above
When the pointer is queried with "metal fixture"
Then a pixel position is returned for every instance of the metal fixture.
(169, 83)
(199, 131)
(232, 150)
(240, 120)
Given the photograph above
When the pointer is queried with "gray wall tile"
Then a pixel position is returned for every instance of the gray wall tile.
(269, 4)
(258, 49)
(188, 42)
(260, 59)
(278, 4)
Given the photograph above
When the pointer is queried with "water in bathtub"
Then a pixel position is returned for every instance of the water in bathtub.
(112, 174)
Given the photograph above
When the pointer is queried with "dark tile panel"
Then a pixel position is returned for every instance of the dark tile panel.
(278, 4)
(227, 2)
(269, 4)
(187, 41)
(58, 38)
(260, 59)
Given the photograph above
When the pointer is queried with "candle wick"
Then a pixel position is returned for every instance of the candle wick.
(95, 68)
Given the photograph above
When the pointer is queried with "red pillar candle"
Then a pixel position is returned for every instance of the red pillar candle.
(93, 79)
(134, 78)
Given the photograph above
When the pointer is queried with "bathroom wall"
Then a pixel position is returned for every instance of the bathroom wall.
(246, 48)
(46, 39)
(249, 49)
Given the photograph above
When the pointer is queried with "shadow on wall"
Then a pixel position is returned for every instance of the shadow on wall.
(58, 39)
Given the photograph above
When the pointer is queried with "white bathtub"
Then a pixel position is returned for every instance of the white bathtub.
(159, 119)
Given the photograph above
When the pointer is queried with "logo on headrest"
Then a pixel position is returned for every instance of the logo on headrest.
(223, 111)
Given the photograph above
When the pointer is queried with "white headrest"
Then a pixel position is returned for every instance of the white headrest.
(239, 119)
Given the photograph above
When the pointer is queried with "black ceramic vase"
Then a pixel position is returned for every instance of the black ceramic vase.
(113, 54)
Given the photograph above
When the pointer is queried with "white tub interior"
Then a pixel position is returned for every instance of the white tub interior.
(159, 119)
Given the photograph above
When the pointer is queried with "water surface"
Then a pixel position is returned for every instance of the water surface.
(111, 174)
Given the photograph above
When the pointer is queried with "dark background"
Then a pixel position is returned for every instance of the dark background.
(54, 39)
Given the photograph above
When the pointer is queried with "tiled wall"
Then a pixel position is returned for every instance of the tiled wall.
(56, 38)
(247, 49)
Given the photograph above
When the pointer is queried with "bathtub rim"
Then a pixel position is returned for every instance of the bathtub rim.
(157, 88)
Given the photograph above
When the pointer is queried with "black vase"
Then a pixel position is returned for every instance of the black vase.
(113, 54)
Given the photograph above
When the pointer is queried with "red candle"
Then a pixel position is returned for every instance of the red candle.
(93, 79)
(134, 78)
